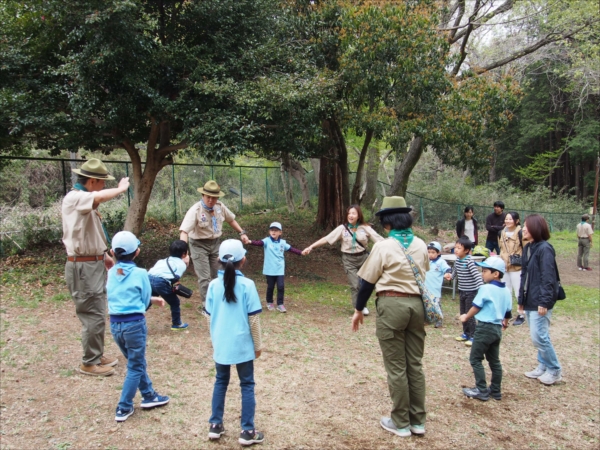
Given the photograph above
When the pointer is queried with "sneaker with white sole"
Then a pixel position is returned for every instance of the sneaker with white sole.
(281, 309)
(417, 429)
(537, 372)
(551, 377)
(215, 430)
(270, 307)
(365, 311)
(181, 326)
(249, 437)
(484, 396)
(469, 342)
(388, 424)
(520, 320)
(157, 400)
(121, 415)
(462, 337)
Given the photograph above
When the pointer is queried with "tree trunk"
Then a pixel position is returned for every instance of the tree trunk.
(333, 178)
(405, 167)
(287, 182)
(355, 196)
(297, 171)
(372, 173)
(316, 165)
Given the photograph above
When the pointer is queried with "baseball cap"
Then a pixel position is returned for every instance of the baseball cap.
(231, 250)
(435, 245)
(125, 240)
(276, 225)
(493, 262)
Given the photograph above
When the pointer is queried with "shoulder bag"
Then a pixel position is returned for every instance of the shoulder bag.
(178, 288)
(431, 304)
(513, 260)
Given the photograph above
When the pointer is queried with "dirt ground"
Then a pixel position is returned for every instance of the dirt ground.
(318, 384)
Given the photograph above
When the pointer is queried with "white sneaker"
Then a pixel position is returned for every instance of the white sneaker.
(537, 372)
(550, 378)
(365, 311)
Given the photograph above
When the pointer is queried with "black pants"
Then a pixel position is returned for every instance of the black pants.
(271, 280)
(466, 301)
(487, 343)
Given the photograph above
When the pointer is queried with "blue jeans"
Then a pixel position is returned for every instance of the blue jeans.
(163, 287)
(493, 245)
(131, 339)
(246, 374)
(539, 327)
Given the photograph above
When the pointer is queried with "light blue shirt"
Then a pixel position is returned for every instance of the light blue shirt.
(128, 289)
(161, 269)
(229, 324)
(494, 300)
(435, 276)
(274, 264)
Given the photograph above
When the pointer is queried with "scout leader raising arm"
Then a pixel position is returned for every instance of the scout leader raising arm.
(201, 228)
(85, 271)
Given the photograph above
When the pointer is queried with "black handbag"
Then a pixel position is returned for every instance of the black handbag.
(560, 294)
(178, 288)
(513, 260)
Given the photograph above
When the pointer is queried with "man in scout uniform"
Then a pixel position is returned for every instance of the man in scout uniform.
(584, 235)
(86, 243)
(201, 228)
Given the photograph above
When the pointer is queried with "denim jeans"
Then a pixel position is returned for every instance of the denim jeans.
(493, 245)
(271, 281)
(131, 339)
(163, 287)
(246, 374)
(539, 327)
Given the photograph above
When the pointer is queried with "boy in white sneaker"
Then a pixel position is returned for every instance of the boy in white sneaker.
(437, 269)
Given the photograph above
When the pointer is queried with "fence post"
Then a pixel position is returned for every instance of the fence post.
(551, 224)
(64, 178)
(212, 172)
(174, 196)
(421, 208)
(241, 191)
(267, 185)
(127, 173)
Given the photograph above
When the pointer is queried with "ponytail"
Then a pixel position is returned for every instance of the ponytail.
(229, 278)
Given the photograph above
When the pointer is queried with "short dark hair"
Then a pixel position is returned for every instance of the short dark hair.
(466, 243)
(361, 218)
(468, 208)
(585, 217)
(82, 179)
(537, 227)
(515, 216)
(178, 248)
(396, 221)
(121, 256)
(499, 203)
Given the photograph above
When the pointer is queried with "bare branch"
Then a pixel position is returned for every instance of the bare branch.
(476, 23)
(461, 12)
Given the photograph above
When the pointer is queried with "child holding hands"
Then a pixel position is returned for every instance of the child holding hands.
(437, 269)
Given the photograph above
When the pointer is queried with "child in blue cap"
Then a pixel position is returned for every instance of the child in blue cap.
(437, 269)
(492, 309)
(274, 265)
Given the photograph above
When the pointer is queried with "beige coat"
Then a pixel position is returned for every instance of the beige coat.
(511, 246)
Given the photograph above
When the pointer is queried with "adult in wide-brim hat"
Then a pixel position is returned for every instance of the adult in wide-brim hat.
(400, 316)
(94, 168)
(212, 189)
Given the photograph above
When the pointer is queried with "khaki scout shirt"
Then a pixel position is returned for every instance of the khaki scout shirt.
(198, 224)
(363, 234)
(584, 230)
(389, 269)
(82, 227)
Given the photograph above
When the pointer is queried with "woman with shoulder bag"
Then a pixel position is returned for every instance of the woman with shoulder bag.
(511, 243)
(540, 289)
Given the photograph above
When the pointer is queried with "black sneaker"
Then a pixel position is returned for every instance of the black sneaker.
(476, 393)
(495, 395)
(121, 415)
(520, 320)
(215, 430)
(249, 437)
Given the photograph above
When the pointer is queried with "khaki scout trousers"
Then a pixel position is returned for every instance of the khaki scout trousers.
(87, 284)
(583, 252)
(205, 255)
(400, 328)
(352, 263)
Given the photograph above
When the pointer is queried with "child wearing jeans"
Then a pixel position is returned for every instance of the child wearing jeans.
(437, 269)
(492, 309)
(469, 281)
(129, 297)
(274, 265)
(232, 308)
(166, 271)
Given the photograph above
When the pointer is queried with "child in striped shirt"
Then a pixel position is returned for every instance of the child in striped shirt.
(469, 281)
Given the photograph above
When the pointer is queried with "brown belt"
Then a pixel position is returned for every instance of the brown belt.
(85, 258)
(394, 294)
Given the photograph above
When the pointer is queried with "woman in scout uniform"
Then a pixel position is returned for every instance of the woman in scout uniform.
(201, 228)
(400, 325)
(355, 236)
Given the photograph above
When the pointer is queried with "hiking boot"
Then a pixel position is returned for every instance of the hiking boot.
(417, 429)
(249, 437)
(537, 372)
(121, 415)
(476, 393)
(469, 342)
(181, 326)
(462, 337)
(365, 311)
(550, 377)
(157, 400)
(270, 307)
(520, 320)
(494, 395)
(108, 361)
(281, 309)
(215, 430)
(97, 370)
(388, 424)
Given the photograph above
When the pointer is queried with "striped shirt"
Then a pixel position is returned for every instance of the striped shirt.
(469, 278)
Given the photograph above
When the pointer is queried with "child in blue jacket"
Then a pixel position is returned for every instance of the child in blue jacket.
(437, 269)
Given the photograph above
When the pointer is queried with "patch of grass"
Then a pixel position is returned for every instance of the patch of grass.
(580, 302)
(564, 243)
(62, 297)
(67, 372)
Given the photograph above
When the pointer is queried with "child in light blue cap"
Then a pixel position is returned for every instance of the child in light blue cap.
(437, 269)
(492, 308)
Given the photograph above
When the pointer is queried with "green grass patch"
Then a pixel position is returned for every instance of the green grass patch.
(580, 302)
(564, 243)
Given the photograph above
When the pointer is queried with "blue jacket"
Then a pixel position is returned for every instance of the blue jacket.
(128, 289)
(539, 281)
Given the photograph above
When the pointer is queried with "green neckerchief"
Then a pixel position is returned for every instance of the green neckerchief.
(81, 187)
(405, 237)
(583, 222)
(353, 227)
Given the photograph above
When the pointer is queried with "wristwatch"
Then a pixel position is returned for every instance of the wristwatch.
(243, 232)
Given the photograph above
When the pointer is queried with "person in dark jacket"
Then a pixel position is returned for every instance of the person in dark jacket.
(494, 224)
(537, 296)
(467, 226)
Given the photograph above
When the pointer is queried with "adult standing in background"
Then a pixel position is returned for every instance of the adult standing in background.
(202, 227)
(86, 242)
(494, 224)
(584, 235)
(467, 226)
